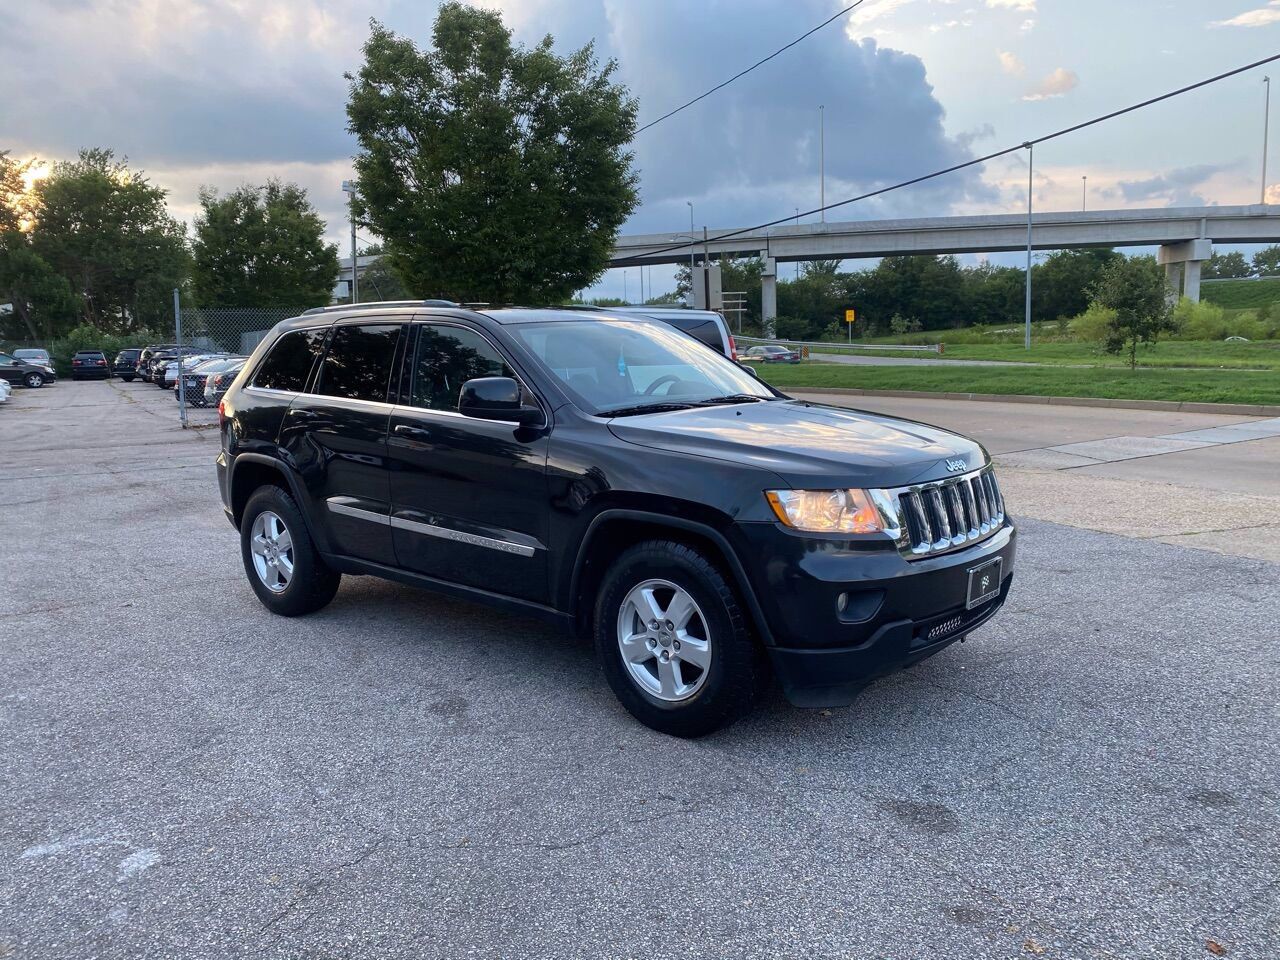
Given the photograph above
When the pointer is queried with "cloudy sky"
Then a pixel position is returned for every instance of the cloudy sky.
(223, 92)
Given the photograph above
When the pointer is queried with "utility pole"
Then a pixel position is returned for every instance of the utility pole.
(706, 272)
(822, 161)
(349, 189)
(1266, 125)
(1084, 192)
(182, 380)
(1031, 161)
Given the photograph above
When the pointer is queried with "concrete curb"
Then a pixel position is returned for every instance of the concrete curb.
(1180, 406)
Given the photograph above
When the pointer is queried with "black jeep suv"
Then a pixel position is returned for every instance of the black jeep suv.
(610, 473)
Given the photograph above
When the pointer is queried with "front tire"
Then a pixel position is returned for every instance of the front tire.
(127, 379)
(283, 566)
(34, 380)
(673, 641)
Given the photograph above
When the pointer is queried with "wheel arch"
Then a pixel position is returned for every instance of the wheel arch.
(250, 472)
(613, 530)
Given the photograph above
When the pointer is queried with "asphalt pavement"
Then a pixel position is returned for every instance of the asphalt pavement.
(1092, 775)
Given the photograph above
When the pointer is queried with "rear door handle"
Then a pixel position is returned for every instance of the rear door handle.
(413, 433)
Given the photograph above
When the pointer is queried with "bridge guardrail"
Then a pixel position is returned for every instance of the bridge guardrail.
(827, 345)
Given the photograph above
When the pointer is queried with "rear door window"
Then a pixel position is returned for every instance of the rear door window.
(288, 364)
(358, 363)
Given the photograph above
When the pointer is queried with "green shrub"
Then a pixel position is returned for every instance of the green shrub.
(1094, 324)
(1209, 321)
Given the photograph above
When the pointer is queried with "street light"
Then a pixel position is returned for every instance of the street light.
(349, 188)
(692, 240)
(1266, 124)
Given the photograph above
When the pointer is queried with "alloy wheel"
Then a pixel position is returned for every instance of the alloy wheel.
(664, 640)
(272, 548)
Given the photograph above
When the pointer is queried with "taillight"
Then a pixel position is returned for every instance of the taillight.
(75, 363)
(222, 412)
(102, 363)
(733, 348)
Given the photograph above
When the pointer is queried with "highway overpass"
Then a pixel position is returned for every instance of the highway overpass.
(1185, 236)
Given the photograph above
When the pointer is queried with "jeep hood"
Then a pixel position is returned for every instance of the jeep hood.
(808, 444)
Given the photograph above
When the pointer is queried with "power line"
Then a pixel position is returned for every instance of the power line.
(968, 163)
(758, 63)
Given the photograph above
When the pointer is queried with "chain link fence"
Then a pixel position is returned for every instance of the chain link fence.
(213, 343)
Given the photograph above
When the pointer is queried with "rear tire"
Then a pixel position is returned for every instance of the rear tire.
(719, 666)
(127, 379)
(280, 560)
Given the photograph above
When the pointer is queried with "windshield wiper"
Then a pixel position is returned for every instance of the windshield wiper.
(731, 398)
(665, 406)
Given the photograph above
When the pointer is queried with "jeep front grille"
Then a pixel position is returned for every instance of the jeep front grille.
(948, 514)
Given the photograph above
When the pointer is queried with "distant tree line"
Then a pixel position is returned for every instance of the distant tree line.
(1227, 266)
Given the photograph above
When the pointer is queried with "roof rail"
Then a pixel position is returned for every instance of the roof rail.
(378, 304)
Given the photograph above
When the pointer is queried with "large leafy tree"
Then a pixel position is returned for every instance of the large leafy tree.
(105, 228)
(261, 246)
(1135, 289)
(1061, 285)
(1266, 262)
(1225, 266)
(491, 171)
(40, 301)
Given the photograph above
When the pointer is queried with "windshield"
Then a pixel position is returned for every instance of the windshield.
(614, 365)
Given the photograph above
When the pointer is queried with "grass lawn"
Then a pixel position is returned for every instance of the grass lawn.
(1202, 386)
(1208, 354)
(1241, 294)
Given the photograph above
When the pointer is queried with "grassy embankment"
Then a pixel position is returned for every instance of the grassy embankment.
(1201, 386)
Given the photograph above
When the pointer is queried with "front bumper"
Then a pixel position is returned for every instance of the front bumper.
(897, 612)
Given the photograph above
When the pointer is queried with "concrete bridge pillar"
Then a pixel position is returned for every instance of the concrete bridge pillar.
(1184, 258)
(769, 295)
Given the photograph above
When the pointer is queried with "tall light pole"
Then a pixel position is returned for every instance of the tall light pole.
(692, 239)
(1266, 124)
(1084, 192)
(822, 161)
(349, 189)
(1031, 166)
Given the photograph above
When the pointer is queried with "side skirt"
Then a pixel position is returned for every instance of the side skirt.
(526, 608)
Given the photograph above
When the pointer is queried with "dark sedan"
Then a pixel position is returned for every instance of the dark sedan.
(27, 374)
(196, 379)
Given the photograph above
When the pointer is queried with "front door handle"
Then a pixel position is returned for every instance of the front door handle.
(413, 433)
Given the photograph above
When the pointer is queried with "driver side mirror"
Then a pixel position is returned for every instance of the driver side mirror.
(750, 369)
(497, 398)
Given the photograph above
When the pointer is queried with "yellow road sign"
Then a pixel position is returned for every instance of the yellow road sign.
(850, 316)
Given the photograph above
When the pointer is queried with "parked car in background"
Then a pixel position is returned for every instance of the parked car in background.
(195, 378)
(28, 374)
(37, 355)
(143, 366)
(90, 365)
(126, 363)
(168, 379)
(217, 384)
(772, 353)
(705, 325)
(5, 391)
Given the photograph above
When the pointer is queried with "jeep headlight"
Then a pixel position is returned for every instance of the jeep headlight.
(830, 511)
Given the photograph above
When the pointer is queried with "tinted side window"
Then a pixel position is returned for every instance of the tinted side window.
(699, 328)
(358, 363)
(445, 359)
(289, 362)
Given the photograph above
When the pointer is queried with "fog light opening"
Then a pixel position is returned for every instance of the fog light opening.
(842, 602)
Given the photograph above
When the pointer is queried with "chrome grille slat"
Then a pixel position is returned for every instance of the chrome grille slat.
(948, 514)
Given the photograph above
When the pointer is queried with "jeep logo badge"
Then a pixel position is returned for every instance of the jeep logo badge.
(956, 465)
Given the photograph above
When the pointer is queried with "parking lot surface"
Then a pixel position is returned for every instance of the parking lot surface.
(1093, 774)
